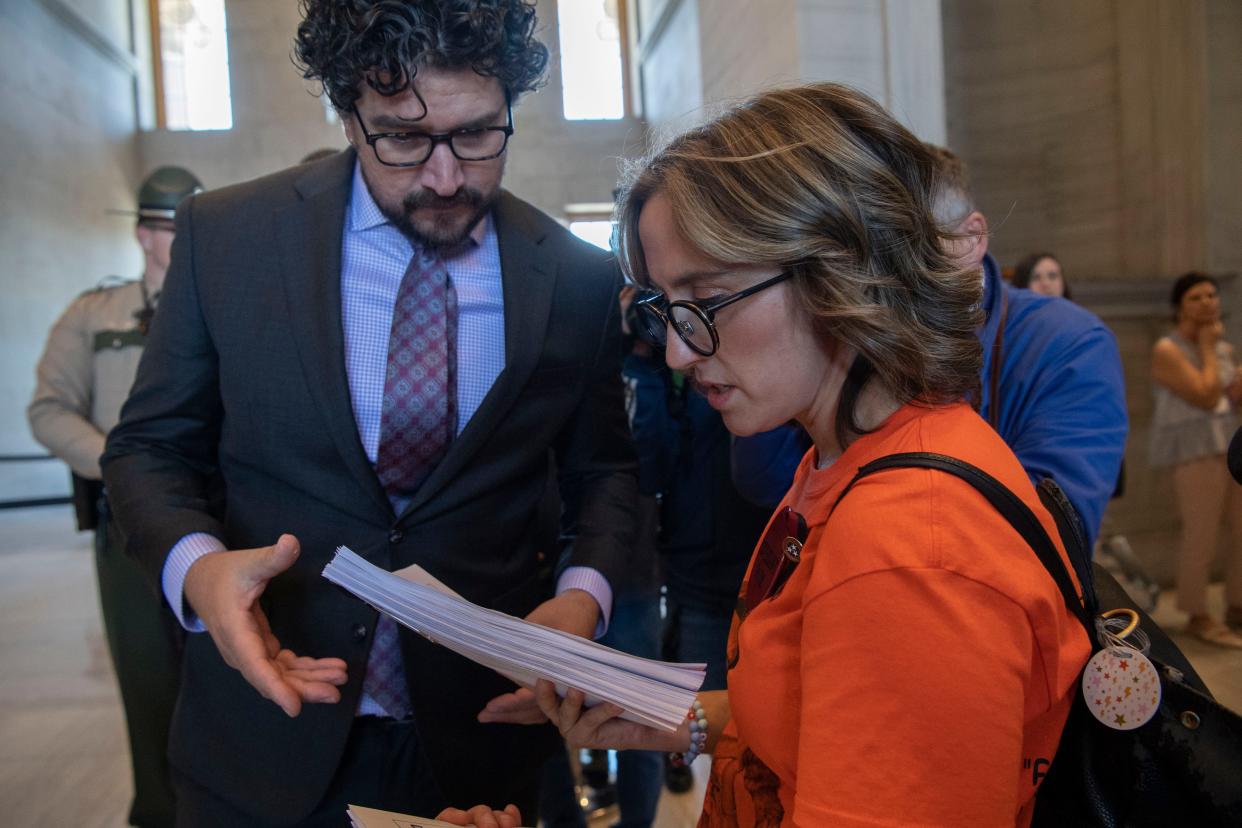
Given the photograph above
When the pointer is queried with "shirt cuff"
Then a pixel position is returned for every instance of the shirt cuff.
(594, 584)
(182, 556)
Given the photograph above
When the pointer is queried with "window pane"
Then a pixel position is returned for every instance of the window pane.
(591, 59)
(598, 233)
(195, 58)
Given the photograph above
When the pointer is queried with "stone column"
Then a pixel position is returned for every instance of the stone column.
(700, 55)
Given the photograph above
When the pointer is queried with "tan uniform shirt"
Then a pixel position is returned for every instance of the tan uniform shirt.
(85, 375)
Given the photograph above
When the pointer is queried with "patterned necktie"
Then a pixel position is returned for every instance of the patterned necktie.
(418, 422)
(419, 415)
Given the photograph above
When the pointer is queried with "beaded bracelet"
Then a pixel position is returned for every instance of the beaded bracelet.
(698, 737)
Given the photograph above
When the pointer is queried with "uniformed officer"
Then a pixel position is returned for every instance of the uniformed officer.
(84, 376)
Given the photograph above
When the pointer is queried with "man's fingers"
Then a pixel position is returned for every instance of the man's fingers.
(294, 661)
(314, 679)
(264, 677)
(509, 702)
(482, 816)
(326, 675)
(454, 815)
(518, 707)
(315, 692)
(245, 650)
(291, 661)
(322, 675)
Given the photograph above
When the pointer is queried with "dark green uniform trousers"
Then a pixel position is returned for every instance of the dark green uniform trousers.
(145, 641)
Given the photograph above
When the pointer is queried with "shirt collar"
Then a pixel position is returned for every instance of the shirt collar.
(365, 214)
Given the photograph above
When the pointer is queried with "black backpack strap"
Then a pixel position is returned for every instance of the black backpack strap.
(1074, 536)
(998, 360)
(1006, 502)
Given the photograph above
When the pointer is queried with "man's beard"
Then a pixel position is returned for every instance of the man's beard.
(444, 232)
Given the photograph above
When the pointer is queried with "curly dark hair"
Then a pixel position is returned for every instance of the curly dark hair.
(340, 43)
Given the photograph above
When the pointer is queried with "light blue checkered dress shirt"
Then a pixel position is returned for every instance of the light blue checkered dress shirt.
(374, 257)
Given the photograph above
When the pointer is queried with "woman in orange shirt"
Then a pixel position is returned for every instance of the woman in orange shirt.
(918, 663)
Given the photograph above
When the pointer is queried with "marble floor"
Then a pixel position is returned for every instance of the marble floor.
(64, 760)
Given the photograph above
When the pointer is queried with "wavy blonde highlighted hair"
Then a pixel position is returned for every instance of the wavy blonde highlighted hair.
(821, 181)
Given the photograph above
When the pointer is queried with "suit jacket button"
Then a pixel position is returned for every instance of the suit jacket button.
(360, 632)
(395, 536)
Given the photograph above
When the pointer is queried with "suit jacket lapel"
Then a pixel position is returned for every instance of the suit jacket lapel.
(528, 275)
(309, 236)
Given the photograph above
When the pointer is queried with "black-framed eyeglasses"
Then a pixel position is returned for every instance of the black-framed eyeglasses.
(695, 324)
(410, 149)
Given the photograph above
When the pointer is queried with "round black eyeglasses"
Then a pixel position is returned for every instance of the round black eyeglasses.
(411, 149)
(694, 324)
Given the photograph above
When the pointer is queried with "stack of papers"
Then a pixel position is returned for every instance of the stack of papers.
(654, 693)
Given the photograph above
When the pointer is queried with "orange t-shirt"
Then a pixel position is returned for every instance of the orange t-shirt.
(918, 665)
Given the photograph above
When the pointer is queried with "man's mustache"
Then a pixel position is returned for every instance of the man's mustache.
(465, 197)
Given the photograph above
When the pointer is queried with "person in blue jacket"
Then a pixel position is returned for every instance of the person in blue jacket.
(1052, 384)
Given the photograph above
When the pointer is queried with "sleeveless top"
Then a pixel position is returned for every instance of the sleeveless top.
(1181, 432)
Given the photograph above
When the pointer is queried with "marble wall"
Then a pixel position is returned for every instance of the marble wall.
(67, 119)
(671, 66)
(1104, 131)
(1107, 132)
(1224, 135)
(699, 56)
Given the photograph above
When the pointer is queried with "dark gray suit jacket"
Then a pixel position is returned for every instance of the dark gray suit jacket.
(240, 425)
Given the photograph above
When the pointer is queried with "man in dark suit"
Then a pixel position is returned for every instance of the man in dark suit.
(384, 350)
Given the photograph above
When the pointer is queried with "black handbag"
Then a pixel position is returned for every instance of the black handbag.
(1184, 767)
(86, 494)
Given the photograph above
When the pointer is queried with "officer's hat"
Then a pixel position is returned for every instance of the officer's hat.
(163, 190)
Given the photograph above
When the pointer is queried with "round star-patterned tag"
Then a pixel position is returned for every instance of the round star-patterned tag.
(1121, 687)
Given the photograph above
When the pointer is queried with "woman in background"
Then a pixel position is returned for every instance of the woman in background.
(917, 652)
(1041, 273)
(1197, 386)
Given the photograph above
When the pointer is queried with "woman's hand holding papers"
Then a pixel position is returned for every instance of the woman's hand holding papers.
(599, 726)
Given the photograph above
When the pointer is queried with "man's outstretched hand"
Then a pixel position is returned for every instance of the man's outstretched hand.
(223, 588)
